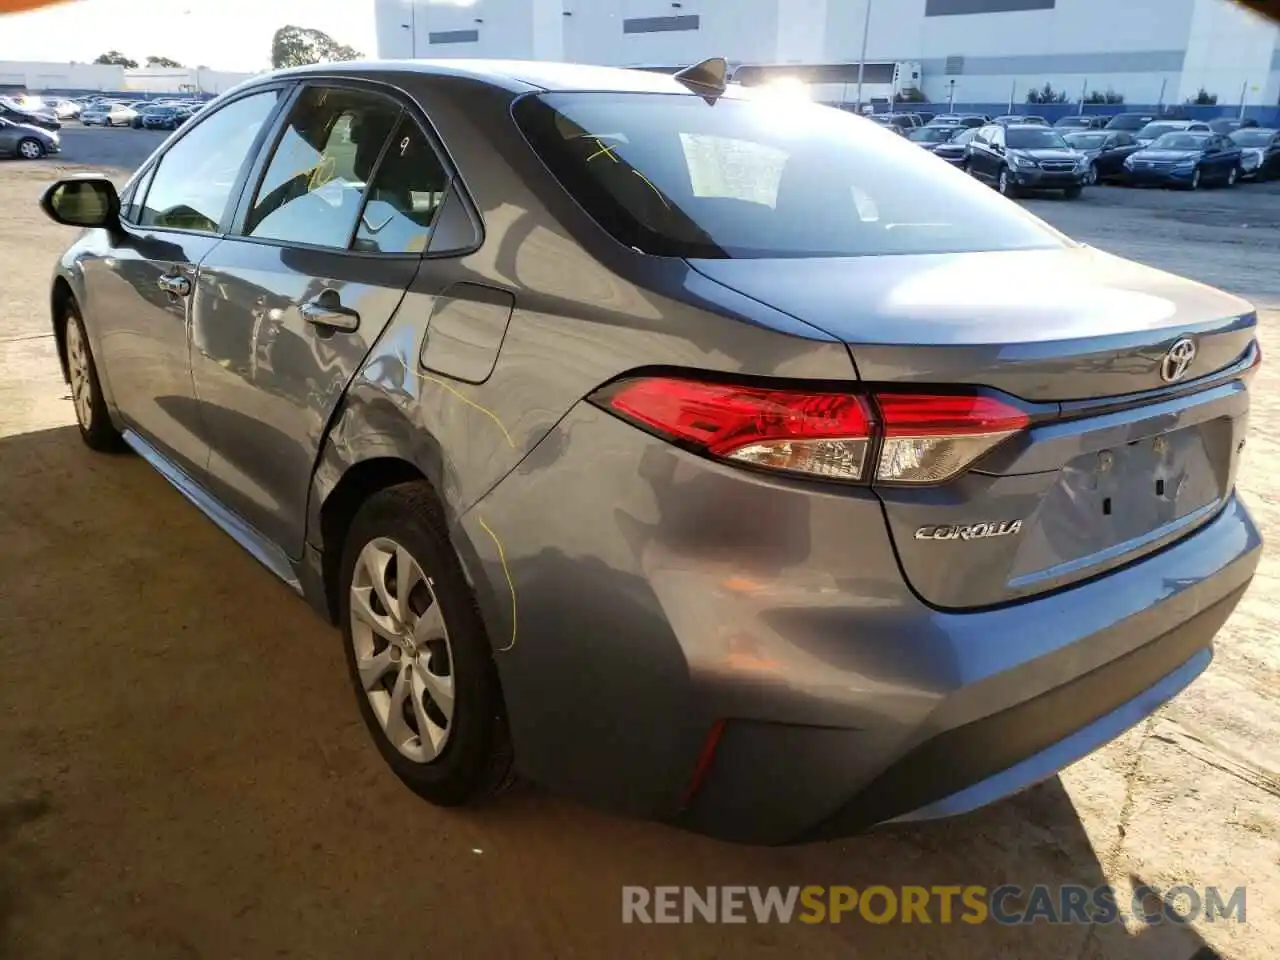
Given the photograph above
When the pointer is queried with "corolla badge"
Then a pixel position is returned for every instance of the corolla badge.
(1178, 360)
(969, 531)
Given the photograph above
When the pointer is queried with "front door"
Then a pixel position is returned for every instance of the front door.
(140, 294)
(288, 307)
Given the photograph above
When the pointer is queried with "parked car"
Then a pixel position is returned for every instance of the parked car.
(1130, 122)
(1189, 159)
(65, 109)
(897, 124)
(108, 115)
(961, 119)
(1019, 119)
(1020, 157)
(930, 137)
(1259, 153)
(160, 117)
(25, 141)
(1154, 131)
(9, 110)
(925, 117)
(1082, 122)
(955, 150)
(908, 121)
(1105, 150)
(1231, 124)
(692, 552)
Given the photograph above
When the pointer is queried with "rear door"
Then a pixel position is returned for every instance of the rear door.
(330, 233)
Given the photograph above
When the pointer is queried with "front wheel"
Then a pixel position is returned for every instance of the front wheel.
(1232, 176)
(417, 651)
(107, 122)
(1195, 180)
(31, 149)
(1005, 184)
(1091, 178)
(95, 424)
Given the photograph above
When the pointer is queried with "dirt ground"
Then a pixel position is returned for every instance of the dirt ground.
(183, 772)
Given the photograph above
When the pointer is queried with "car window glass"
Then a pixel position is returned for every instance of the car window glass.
(131, 206)
(196, 175)
(675, 176)
(313, 189)
(405, 195)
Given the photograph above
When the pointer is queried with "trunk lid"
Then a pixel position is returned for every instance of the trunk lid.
(1118, 461)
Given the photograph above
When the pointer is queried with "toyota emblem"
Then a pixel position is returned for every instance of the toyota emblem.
(1178, 360)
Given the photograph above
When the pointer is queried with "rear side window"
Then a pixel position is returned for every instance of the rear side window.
(671, 175)
(195, 177)
(313, 189)
(405, 196)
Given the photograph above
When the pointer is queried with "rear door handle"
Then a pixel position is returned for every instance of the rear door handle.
(329, 313)
(176, 284)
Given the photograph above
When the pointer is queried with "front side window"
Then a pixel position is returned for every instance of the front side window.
(405, 196)
(195, 177)
(313, 189)
(671, 175)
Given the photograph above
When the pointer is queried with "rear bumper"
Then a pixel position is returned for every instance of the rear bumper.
(639, 597)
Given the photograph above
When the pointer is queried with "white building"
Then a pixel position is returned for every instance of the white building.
(1149, 50)
(16, 75)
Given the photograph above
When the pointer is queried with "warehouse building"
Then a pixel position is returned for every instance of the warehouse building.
(975, 51)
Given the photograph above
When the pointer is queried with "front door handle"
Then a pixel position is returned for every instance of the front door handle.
(329, 313)
(177, 285)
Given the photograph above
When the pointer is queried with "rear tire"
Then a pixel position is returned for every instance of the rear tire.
(399, 530)
(1093, 178)
(1195, 180)
(96, 429)
(1232, 176)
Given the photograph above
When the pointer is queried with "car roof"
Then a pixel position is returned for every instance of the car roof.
(518, 76)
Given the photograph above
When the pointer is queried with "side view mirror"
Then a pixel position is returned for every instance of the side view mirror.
(84, 201)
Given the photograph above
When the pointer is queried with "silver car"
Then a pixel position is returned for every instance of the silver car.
(27, 142)
(709, 458)
(108, 115)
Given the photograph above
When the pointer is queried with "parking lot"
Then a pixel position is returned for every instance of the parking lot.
(183, 772)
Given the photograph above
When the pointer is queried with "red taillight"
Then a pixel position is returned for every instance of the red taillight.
(822, 434)
(929, 439)
(926, 439)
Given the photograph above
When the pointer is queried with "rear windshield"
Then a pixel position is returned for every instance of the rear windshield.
(1128, 123)
(672, 175)
(931, 134)
(1252, 138)
(1086, 141)
(1153, 130)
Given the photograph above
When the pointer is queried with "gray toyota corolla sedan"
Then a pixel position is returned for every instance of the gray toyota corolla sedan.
(707, 457)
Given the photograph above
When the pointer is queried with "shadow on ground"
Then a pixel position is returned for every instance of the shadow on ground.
(183, 774)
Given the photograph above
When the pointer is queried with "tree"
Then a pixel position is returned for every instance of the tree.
(1046, 94)
(295, 46)
(1203, 98)
(1104, 96)
(118, 59)
(162, 62)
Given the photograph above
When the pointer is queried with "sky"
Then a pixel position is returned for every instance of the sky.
(221, 34)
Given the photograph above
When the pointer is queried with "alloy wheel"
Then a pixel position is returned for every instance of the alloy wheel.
(1092, 178)
(78, 374)
(31, 150)
(1003, 183)
(402, 650)
(1231, 177)
(1195, 179)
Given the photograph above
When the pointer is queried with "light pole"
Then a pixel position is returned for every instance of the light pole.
(951, 95)
(412, 27)
(862, 59)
